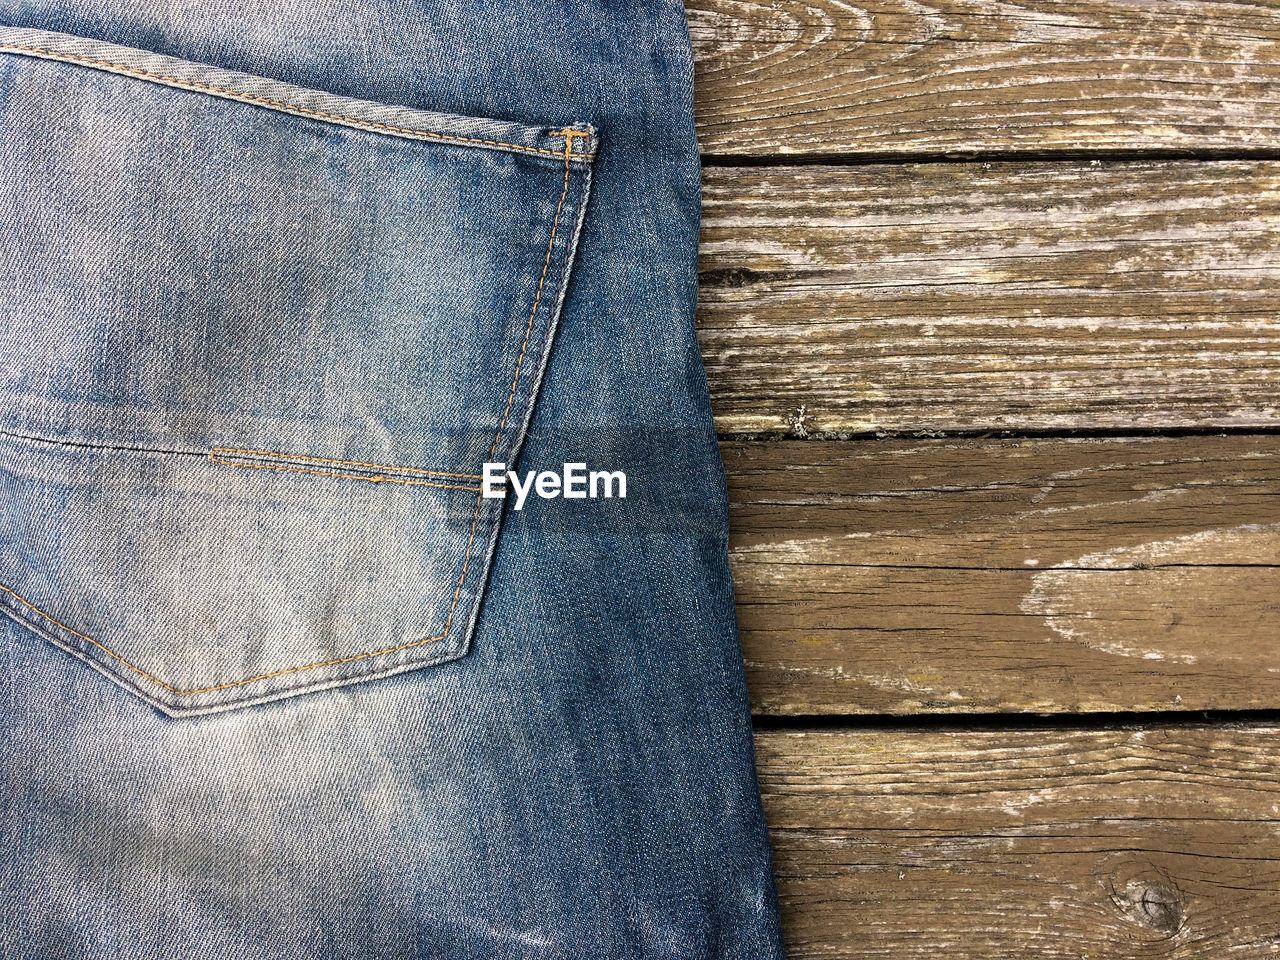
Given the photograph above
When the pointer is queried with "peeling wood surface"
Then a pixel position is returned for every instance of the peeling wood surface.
(1048, 576)
(1099, 252)
(828, 77)
(1128, 843)
(1013, 296)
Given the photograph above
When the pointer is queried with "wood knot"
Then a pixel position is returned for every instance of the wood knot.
(1153, 905)
(1143, 892)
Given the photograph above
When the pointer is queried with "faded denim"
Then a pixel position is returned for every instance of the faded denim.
(276, 280)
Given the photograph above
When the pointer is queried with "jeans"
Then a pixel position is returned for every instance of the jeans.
(362, 525)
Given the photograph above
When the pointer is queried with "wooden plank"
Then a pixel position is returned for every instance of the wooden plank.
(1049, 576)
(1118, 844)
(891, 76)
(1017, 296)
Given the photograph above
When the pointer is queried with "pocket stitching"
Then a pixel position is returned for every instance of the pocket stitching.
(280, 104)
(568, 155)
(528, 330)
(371, 477)
(225, 686)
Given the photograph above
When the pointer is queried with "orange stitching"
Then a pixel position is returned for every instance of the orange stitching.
(568, 142)
(371, 477)
(349, 463)
(288, 107)
(224, 686)
(475, 517)
(470, 540)
(352, 463)
(568, 135)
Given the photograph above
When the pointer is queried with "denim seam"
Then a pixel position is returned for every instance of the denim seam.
(528, 330)
(260, 455)
(567, 154)
(186, 693)
(280, 105)
(246, 463)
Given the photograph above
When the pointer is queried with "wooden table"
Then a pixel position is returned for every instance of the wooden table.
(989, 311)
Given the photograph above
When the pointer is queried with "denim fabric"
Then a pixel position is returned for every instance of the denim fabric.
(277, 280)
(224, 308)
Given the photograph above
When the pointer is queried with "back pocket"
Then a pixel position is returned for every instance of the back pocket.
(256, 343)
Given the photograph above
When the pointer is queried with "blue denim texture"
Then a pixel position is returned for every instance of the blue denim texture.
(276, 279)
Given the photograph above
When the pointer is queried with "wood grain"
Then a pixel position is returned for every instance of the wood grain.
(1003, 576)
(1048, 576)
(824, 77)
(1014, 296)
(1117, 844)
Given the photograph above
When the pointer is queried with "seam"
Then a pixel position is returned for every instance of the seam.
(154, 679)
(537, 297)
(372, 477)
(475, 519)
(261, 454)
(280, 104)
(528, 330)
(86, 445)
(347, 463)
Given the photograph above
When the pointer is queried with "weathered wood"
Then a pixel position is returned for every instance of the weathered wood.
(1117, 844)
(892, 76)
(1008, 575)
(1017, 296)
